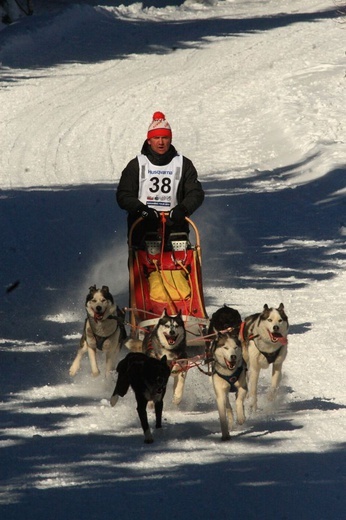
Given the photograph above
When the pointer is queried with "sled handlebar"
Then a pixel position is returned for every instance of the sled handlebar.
(162, 219)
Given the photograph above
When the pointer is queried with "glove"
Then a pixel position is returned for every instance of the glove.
(177, 214)
(149, 214)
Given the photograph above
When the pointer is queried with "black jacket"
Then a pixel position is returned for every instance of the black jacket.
(190, 193)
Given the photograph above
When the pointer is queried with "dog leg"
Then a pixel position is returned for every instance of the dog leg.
(275, 381)
(253, 383)
(158, 413)
(143, 417)
(123, 383)
(221, 389)
(277, 373)
(93, 362)
(253, 375)
(114, 399)
(230, 417)
(240, 398)
(77, 361)
(178, 387)
(112, 347)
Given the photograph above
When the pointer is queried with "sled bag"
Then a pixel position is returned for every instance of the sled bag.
(166, 286)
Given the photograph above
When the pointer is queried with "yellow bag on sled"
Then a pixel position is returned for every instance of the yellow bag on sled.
(166, 286)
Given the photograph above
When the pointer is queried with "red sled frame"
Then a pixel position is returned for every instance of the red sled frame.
(176, 257)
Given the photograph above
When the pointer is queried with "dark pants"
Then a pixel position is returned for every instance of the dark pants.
(144, 228)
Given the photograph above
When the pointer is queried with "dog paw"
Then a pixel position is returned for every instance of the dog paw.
(148, 438)
(240, 420)
(74, 369)
(114, 400)
(252, 402)
(176, 400)
(225, 437)
(272, 394)
(111, 374)
(96, 373)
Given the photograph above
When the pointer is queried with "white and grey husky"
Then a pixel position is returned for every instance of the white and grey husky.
(264, 341)
(228, 375)
(103, 330)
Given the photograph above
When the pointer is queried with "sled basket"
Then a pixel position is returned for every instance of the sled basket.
(167, 276)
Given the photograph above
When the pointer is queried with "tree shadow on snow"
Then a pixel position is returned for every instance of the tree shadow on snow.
(108, 476)
(55, 244)
(107, 472)
(81, 34)
(285, 238)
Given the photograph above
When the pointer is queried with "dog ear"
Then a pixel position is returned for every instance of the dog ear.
(282, 312)
(105, 292)
(92, 289)
(265, 307)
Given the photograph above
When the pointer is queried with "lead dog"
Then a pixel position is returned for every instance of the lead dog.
(167, 338)
(264, 341)
(103, 330)
(228, 375)
(148, 378)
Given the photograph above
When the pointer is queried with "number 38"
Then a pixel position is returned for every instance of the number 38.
(160, 184)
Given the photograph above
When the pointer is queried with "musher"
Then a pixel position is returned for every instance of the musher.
(159, 179)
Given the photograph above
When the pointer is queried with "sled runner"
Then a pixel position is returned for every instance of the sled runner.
(165, 273)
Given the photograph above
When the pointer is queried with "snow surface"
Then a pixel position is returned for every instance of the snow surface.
(255, 93)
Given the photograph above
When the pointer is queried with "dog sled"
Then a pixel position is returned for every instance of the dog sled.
(165, 273)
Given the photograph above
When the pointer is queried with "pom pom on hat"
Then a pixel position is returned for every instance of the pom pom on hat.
(159, 127)
(158, 115)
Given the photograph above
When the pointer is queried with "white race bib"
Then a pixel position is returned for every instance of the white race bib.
(158, 185)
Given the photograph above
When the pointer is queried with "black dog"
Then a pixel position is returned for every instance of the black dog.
(225, 319)
(148, 378)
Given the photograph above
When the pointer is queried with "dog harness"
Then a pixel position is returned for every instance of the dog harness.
(270, 356)
(231, 379)
(158, 185)
(101, 339)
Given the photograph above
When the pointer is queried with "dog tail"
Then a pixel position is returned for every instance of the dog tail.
(134, 345)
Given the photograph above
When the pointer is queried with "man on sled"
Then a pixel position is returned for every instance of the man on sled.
(159, 179)
(160, 189)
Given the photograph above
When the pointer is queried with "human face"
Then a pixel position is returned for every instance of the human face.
(160, 144)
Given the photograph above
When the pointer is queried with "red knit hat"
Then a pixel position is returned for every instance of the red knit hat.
(159, 127)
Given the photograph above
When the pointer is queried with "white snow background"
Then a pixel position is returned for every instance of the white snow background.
(255, 93)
